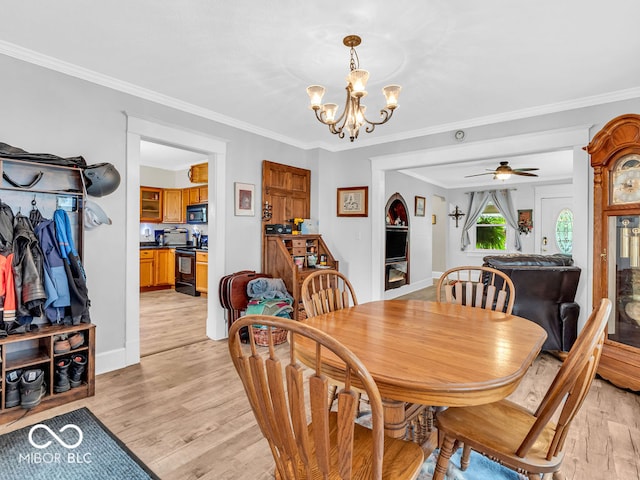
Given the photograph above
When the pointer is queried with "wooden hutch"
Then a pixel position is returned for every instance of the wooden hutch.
(396, 263)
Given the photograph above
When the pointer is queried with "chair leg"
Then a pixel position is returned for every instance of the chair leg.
(558, 475)
(444, 456)
(464, 460)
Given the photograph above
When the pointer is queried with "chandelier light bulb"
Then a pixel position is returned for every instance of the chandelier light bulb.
(358, 79)
(329, 111)
(315, 92)
(391, 93)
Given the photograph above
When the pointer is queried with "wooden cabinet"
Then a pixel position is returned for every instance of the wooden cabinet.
(157, 268)
(615, 158)
(34, 350)
(150, 204)
(197, 195)
(396, 263)
(290, 257)
(147, 266)
(199, 173)
(172, 208)
(202, 283)
(287, 189)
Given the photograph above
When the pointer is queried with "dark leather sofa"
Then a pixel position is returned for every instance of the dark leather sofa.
(545, 288)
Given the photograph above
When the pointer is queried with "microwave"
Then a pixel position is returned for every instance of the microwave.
(197, 213)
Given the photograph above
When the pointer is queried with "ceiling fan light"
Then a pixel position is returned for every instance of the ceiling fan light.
(358, 79)
(391, 93)
(315, 92)
(503, 176)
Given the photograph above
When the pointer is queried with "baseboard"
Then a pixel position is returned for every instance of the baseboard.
(405, 289)
(111, 360)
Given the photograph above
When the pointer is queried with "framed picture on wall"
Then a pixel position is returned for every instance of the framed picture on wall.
(420, 206)
(353, 202)
(245, 199)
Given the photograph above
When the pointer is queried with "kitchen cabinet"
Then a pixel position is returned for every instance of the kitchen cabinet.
(157, 268)
(34, 350)
(199, 173)
(202, 281)
(147, 266)
(197, 195)
(172, 209)
(150, 205)
(283, 251)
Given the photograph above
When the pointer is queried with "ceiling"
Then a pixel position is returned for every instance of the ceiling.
(247, 63)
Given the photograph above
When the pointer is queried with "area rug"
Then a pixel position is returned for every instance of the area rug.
(75, 445)
(480, 468)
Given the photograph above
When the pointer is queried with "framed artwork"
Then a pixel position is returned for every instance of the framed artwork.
(353, 202)
(245, 199)
(420, 205)
(525, 221)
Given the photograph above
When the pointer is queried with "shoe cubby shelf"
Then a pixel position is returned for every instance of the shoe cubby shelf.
(35, 350)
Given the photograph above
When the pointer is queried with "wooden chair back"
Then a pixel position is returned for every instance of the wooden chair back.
(529, 441)
(284, 396)
(325, 291)
(571, 384)
(481, 287)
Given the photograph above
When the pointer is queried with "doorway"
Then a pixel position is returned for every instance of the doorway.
(162, 309)
(556, 225)
(215, 150)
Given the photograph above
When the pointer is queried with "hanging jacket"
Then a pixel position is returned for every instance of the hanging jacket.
(28, 270)
(76, 277)
(6, 229)
(7, 295)
(56, 283)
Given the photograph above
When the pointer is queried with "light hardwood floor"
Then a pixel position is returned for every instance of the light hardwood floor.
(184, 413)
(169, 319)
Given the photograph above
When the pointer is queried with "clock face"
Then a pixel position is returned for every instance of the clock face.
(625, 180)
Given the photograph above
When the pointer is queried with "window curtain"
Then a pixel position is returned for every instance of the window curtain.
(502, 200)
(477, 202)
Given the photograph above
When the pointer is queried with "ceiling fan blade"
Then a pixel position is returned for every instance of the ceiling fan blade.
(524, 174)
(525, 169)
(478, 174)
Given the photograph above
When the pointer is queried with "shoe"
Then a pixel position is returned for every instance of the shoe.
(76, 341)
(78, 366)
(61, 379)
(12, 394)
(32, 388)
(61, 344)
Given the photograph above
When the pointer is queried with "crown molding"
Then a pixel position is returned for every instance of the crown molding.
(52, 63)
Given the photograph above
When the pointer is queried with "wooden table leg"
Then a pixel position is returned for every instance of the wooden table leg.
(395, 422)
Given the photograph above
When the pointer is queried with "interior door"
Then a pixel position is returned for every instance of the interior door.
(550, 242)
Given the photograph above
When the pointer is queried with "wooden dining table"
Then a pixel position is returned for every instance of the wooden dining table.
(430, 353)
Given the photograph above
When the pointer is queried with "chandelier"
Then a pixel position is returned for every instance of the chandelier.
(353, 115)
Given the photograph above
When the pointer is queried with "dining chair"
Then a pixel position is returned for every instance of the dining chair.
(325, 291)
(284, 396)
(482, 287)
(528, 442)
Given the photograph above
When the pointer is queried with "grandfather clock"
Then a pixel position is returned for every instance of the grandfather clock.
(615, 158)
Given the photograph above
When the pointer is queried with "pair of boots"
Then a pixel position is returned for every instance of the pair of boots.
(25, 388)
(69, 372)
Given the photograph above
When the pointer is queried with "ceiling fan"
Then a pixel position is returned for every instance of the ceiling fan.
(504, 171)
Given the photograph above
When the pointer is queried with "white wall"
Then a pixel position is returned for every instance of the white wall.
(46, 111)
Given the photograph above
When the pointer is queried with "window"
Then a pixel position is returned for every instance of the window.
(491, 229)
(564, 231)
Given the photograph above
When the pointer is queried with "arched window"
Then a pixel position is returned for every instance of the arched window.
(564, 231)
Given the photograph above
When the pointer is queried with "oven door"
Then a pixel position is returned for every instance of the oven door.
(186, 273)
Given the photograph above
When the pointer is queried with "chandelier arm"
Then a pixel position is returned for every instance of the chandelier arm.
(386, 114)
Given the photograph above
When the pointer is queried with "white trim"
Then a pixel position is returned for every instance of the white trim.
(111, 360)
(565, 138)
(52, 63)
(140, 129)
